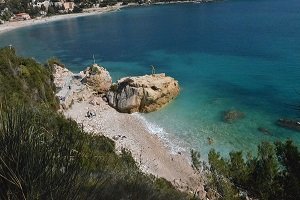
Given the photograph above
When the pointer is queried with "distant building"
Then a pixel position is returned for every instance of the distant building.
(69, 6)
(46, 4)
(22, 16)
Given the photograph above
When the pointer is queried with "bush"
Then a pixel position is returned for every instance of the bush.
(25, 80)
(35, 161)
(54, 61)
(77, 9)
(94, 70)
(273, 174)
(196, 163)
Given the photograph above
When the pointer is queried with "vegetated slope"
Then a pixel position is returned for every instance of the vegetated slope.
(43, 155)
(25, 80)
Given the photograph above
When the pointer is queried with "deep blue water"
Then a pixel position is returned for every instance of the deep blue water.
(242, 55)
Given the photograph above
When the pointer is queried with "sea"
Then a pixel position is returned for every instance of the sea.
(239, 55)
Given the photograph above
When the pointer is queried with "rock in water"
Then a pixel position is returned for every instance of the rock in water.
(142, 93)
(288, 123)
(264, 130)
(232, 116)
(98, 78)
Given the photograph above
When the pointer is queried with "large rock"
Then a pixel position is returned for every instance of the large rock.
(98, 78)
(143, 93)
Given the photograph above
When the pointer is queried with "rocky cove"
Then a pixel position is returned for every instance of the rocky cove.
(102, 107)
(146, 93)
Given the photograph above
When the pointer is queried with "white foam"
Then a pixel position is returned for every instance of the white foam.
(155, 129)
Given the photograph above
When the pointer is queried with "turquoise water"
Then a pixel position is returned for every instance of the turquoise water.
(242, 55)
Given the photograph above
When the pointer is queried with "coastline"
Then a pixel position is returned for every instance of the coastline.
(128, 131)
(9, 26)
(152, 153)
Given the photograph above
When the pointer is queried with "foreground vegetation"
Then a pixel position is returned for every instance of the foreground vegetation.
(46, 156)
(273, 174)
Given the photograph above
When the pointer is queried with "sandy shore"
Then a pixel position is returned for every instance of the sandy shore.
(129, 132)
(8, 26)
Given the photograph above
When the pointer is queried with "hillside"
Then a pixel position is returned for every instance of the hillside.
(25, 80)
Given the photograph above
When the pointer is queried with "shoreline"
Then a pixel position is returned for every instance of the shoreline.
(151, 152)
(171, 144)
(9, 26)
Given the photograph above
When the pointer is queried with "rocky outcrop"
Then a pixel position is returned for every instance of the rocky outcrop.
(232, 116)
(288, 123)
(61, 76)
(98, 78)
(143, 93)
(69, 87)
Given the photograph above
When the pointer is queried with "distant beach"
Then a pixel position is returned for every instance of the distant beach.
(8, 26)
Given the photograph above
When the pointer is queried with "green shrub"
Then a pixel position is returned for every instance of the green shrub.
(54, 61)
(37, 162)
(273, 174)
(196, 163)
(114, 87)
(94, 70)
(25, 80)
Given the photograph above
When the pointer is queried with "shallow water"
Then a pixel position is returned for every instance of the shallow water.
(242, 55)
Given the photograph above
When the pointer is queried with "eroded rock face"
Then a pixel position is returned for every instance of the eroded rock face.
(61, 76)
(143, 93)
(98, 78)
